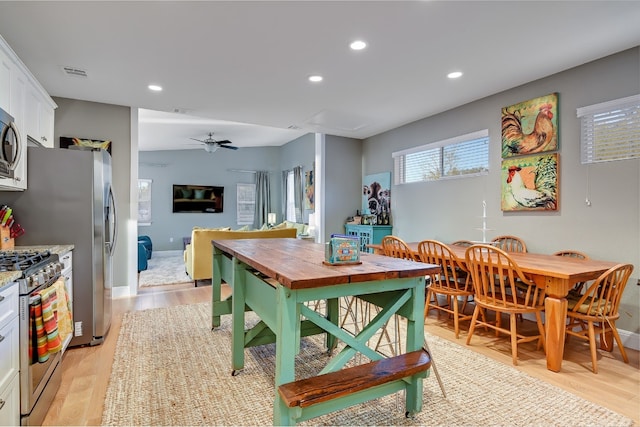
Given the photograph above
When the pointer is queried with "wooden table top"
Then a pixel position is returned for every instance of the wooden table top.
(298, 264)
(566, 268)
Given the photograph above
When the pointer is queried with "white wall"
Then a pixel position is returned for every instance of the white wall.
(451, 209)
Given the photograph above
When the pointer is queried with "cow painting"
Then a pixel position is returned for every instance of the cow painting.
(378, 198)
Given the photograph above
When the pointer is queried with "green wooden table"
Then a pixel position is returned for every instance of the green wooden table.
(276, 277)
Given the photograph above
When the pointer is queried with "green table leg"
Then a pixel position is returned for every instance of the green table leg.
(287, 330)
(333, 315)
(237, 316)
(415, 339)
(216, 287)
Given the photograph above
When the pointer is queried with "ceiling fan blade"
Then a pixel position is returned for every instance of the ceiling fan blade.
(197, 140)
(229, 147)
(226, 141)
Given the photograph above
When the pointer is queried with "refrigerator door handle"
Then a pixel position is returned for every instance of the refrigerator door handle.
(111, 210)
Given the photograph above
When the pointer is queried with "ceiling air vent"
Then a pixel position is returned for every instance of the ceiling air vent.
(73, 71)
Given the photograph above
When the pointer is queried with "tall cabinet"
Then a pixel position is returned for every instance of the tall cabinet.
(368, 234)
(9, 353)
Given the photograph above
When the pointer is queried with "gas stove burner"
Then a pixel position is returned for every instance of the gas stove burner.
(20, 261)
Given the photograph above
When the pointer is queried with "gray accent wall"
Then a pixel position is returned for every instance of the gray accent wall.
(447, 210)
(93, 120)
(343, 181)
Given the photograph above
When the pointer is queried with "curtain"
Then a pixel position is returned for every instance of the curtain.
(283, 207)
(298, 192)
(263, 198)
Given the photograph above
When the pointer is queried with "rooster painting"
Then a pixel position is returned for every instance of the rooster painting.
(530, 127)
(530, 183)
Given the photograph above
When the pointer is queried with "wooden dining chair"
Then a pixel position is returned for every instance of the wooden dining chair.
(509, 243)
(577, 288)
(454, 287)
(396, 247)
(596, 311)
(494, 275)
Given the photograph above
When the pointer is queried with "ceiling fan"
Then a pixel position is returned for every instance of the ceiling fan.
(211, 145)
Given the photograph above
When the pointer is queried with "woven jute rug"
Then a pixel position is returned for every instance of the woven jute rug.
(171, 369)
(164, 268)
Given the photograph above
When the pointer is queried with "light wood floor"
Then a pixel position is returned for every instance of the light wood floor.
(86, 370)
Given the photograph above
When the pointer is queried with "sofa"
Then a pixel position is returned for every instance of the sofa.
(148, 245)
(198, 255)
(143, 256)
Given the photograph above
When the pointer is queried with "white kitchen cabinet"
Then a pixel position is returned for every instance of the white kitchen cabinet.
(6, 66)
(32, 109)
(10, 403)
(9, 356)
(39, 117)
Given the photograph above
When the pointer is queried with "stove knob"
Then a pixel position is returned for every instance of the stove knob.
(44, 274)
(35, 280)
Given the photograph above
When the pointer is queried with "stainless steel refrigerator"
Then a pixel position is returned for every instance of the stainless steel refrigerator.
(69, 200)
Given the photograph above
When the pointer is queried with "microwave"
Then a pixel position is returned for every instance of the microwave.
(10, 148)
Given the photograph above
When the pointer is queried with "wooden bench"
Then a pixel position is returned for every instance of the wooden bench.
(322, 388)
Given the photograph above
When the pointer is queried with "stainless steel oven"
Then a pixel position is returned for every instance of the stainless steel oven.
(39, 377)
(10, 148)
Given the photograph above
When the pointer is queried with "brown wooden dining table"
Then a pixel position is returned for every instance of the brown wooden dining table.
(557, 275)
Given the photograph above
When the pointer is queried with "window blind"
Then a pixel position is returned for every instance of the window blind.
(459, 156)
(245, 203)
(610, 130)
(144, 201)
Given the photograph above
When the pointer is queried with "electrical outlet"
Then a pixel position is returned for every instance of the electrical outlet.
(170, 239)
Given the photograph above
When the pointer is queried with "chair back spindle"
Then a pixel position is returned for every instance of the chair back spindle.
(509, 243)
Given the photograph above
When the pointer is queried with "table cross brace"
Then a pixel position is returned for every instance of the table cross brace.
(356, 343)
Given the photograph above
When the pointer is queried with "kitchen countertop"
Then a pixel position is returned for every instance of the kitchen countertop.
(7, 277)
(54, 249)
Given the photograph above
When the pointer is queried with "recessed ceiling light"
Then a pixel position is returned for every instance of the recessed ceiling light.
(358, 45)
(155, 88)
(315, 79)
(455, 74)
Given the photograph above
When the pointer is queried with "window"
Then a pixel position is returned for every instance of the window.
(610, 130)
(464, 155)
(144, 202)
(291, 198)
(246, 204)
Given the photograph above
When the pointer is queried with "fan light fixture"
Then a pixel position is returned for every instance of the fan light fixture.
(210, 147)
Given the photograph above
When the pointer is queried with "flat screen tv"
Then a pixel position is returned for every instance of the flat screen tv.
(197, 198)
